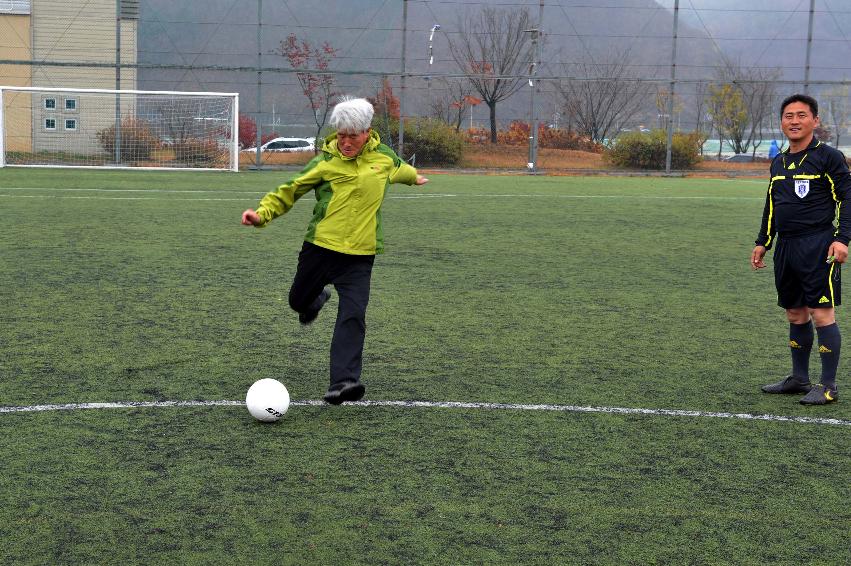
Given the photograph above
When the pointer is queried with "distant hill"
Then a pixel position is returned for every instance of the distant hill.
(768, 33)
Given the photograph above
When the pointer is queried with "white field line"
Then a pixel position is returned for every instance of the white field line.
(440, 405)
(180, 191)
(393, 196)
(98, 197)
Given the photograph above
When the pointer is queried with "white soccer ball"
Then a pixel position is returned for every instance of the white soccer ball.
(267, 400)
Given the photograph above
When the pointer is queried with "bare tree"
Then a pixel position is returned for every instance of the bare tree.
(602, 97)
(663, 96)
(699, 111)
(700, 106)
(493, 50)
(452, 101)
(838, 111)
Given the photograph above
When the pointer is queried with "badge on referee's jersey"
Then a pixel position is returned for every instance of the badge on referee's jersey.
(802, 187)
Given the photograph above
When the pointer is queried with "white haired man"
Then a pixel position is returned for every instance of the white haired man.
(349, 178)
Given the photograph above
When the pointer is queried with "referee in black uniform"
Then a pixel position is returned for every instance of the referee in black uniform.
(809, 190)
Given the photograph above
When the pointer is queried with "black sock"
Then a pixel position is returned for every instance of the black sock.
(801, 343)
(829, 343)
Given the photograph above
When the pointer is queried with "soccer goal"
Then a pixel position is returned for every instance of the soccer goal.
(80, 127)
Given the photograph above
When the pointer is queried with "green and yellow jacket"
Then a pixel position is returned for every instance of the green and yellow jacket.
(349, 193)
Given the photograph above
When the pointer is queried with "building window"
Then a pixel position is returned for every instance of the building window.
(70, 124)
(50, 123)
(129, 9)
(15, 7)
(70, 104)
(50, 104)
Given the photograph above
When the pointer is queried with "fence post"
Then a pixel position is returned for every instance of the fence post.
(673, 88)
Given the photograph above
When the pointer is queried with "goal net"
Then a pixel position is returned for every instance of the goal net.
(62, 127)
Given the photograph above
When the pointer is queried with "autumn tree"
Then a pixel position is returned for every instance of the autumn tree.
(493, 50)
(316, 81)
(247, 131)
(385, 102)
(740, 104)
(387, 112)
(727, 111)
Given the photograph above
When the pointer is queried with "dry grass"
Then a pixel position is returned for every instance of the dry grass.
(248, 159)
(566, 161)
(514, 158)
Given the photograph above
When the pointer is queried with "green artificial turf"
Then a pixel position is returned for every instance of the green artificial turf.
(607, 292)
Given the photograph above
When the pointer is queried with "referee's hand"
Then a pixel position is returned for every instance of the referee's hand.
(756, 257)
(837, 252)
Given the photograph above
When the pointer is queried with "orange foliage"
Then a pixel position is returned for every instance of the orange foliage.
(517, 133)
(385, 102)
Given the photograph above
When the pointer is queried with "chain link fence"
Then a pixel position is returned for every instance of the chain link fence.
(522, 85)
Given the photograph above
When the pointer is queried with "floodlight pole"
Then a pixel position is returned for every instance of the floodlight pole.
(401, 146)
(532, 163)
(258, 135)
(672, 89)
(533, 124)
(809, 48)
(117, 137)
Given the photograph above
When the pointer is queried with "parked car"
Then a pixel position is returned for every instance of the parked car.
(287, 144)
(746, 158)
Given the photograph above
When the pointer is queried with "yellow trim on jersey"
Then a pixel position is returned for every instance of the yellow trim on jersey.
(806, 176)
(771, 209)
(838, 203)
(830, 283)
(792, 165)
(832, 187)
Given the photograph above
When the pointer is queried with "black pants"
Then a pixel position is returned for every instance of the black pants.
(350, 275)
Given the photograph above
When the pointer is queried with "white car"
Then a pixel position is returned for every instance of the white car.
(287, 144)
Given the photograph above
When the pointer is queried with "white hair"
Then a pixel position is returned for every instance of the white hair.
(352, 115)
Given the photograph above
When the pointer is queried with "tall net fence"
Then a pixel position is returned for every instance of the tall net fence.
(574, 76)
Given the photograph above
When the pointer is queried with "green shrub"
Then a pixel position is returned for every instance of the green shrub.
(647, 150)
(137, 140)
(431, 141)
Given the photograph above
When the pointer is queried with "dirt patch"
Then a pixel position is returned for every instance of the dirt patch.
(572, 162)
(508, 159)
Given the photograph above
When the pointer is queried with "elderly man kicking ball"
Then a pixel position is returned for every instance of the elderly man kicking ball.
(349, 178)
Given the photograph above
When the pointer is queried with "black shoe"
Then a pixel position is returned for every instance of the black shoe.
(789, 384)
(306, 318)
(345, 391)
(820, 395)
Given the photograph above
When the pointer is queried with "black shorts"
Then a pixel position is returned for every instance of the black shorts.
(802, 275)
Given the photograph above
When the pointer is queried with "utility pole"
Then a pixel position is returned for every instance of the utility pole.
(672, 89)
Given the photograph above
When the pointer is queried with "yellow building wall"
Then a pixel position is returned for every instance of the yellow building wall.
(16, 43)
(81, 33)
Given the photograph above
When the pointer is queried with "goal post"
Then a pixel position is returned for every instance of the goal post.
(102, 128)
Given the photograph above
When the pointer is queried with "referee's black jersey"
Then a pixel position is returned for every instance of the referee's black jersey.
(808, 191)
